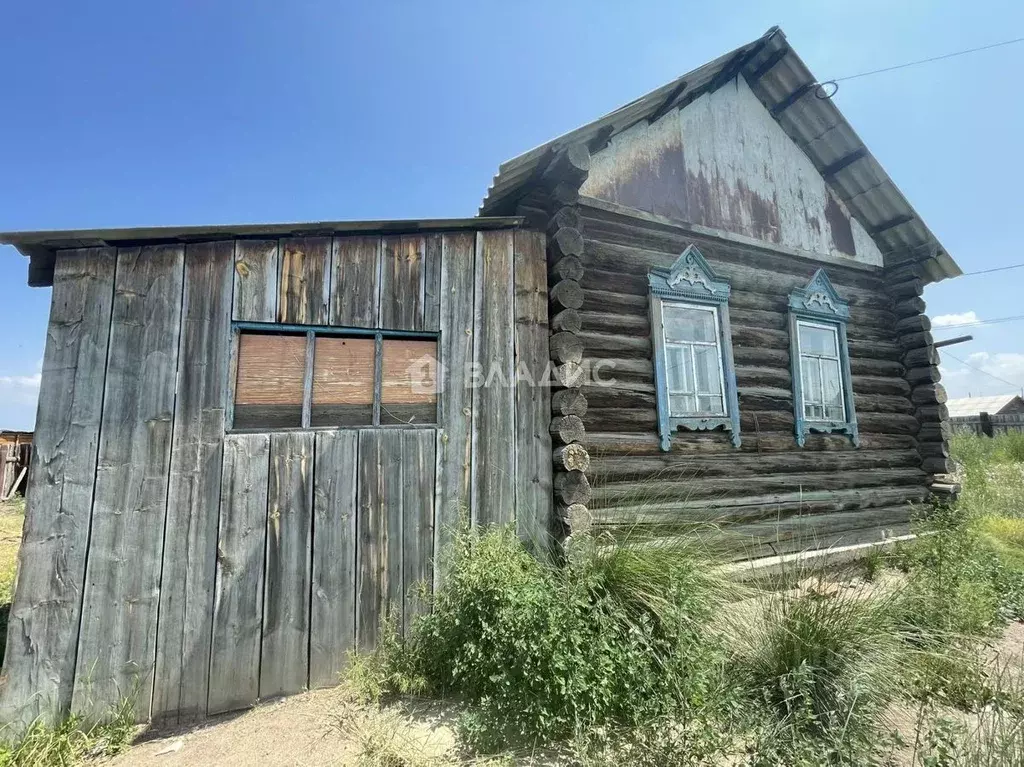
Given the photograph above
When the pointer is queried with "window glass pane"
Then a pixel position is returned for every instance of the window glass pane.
(342, 381)
(682, 404)
(810, 376)
(813, 412)
(680, 376)
(708, 379)
(710, 405)
(270, 384)
(686, 323)
(408, 382)
(820, 341)
(832, 383)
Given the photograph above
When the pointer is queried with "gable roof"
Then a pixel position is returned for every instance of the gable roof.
(972, 406)
(788, 90)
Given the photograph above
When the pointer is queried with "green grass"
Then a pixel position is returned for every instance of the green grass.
(12, 520)
(71, 741)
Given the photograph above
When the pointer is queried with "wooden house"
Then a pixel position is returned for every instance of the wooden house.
(253, 441)
(15, 456)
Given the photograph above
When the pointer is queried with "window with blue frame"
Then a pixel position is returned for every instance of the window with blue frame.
(694, 377)
(822, 388)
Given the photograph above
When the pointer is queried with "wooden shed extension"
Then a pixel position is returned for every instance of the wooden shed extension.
(196, 564)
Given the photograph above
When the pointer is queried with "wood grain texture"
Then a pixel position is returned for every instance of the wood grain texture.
(241, 554)
(257, 270)
(193, 498)
(454, 449)
(418, 466)
(304, 292)
(532, 395)
(379, 529)
(42, 630)
(402, 282)
(433, 247)
(355, 292)
(117, 641)
(333, 613)
(284, 664)
(493, 476)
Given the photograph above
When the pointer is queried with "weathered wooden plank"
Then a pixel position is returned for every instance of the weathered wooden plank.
(402, 274)
(193, 497)
(256, 281)
(455, 356)
(532, 395)
(42, 629)
(379, 531)
(355, 267)
(493, 479)
(117, 640)
(432, 282)
(418, 466)
(333, 613)
(241, 554)
(284, 656)
(305, 287)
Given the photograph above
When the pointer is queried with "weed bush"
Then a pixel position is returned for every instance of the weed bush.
(615, 638)
(820, 668)
(71, 741)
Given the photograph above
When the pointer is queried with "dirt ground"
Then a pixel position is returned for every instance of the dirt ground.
(324, 727)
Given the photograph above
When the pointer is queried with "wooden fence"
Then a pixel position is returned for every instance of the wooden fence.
(989, 425)
(15, 457)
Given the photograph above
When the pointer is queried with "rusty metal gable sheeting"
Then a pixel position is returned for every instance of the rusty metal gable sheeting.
(782, 82)
(42, 246)
(722, 162)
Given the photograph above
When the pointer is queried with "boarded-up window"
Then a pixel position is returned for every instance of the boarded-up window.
(322, 378)
(271, 380)
(343, 381)
(408, 382)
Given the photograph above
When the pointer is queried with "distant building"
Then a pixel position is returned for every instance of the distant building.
(987, 415)
(15, 454)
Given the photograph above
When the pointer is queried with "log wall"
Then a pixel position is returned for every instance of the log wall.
(196, 570)
(770, 495)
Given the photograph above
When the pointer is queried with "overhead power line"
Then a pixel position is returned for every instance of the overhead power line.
(977, 323)
(990, 271)
(983, 372)
(927, 61)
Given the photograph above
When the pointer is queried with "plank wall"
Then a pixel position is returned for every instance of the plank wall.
(770, 495)
(195, 570)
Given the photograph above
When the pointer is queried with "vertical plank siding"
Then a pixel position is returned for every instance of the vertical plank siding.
(355, 292)
(417, 521)
(195, 569)
(533, 501)
(284, 664)
(241, 556)
(493, 475)
(455, 441)
(190, 548)
(42, 630)
(333, 610)
(117, 641)
(305, 280)
(256, 277)
(402, 289)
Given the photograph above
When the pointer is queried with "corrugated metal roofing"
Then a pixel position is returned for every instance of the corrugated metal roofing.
(787, 88)
(972, 406)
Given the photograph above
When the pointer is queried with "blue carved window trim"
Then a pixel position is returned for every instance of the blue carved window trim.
(691, 281)
(819, 304)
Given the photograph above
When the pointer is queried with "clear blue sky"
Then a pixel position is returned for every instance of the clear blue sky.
(135, 113)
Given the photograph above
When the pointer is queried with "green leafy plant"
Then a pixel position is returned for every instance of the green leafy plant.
(71, 741)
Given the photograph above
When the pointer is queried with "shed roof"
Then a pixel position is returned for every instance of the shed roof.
(972, 406)
(42, 246)
(788, 90)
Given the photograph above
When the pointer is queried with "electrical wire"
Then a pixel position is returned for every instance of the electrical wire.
(926, 61)
(983, 372)
(979, 323)
(990, 271)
